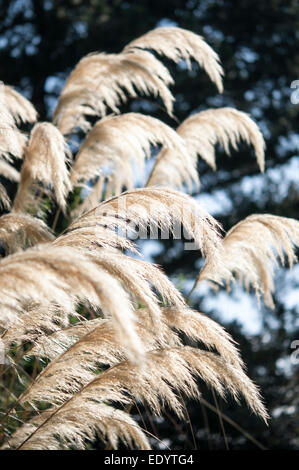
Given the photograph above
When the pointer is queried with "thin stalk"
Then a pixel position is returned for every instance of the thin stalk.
(220, 421)
(233, 423)
(58, 212)
(189, 421)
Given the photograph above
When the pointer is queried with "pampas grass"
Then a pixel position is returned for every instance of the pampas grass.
(12, 140)
(18, 231)
(9, 172)
(99, 81)
(112, 328)
(45, 161)
(150, 383)
(251, 249)
(177, 44)
(201, 132)
(121, 143)
(21, 109)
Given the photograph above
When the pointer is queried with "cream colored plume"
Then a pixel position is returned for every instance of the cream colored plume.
(227, 126)
(99, 334)
(37, 321)
(111, 425)
(63, 276)
(97, 235)
(12, 141)
(101, 81)
(77, 364)
(250, 249)
(194, 325)
(17, 105)
(173, 170)
(77, 351)
(120, 144)
(166, 370)
(59, 340)
(136, 211)
(8, 171)
(138, 277)
(18, 231)
(199, 327)
(180, 44)
(154, 383)
(46, 158)
(201, 132)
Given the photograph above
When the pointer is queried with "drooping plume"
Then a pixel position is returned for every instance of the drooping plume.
(227, 126)
(63, 276)
(100, 333)
(12, 140)
(17, 105)
(173, 170)
(137, 276)
(15, 109)
(154, 383)
(77, 351)
(39, 321)
(18, 231)
(118, 144)
(9, 172)
(46, 158)
(180, 44)
(76, 365)
(194, 325)
(101, 81)
(250, 249)
(135, 211)
(201, 132)
(109, 424)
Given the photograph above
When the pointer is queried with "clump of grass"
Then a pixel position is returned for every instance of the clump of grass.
(103, 328)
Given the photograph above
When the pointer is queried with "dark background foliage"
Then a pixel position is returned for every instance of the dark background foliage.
(257, 40)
